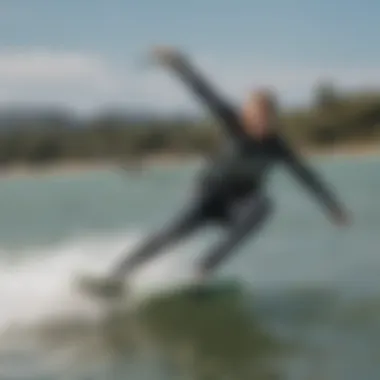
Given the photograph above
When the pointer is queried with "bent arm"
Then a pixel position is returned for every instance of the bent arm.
(309, 178)
(204, 91)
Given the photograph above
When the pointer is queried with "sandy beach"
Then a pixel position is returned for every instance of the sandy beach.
(167, 160)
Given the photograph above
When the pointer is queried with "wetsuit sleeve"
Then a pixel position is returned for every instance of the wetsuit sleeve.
(308, 177)
(219, 107)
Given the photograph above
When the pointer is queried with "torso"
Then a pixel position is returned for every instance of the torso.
(242, 168)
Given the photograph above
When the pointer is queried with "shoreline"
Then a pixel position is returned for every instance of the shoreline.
(166, 160)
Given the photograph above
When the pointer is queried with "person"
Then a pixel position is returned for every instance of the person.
(231, 192)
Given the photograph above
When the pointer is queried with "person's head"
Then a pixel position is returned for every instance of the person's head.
(260, 113)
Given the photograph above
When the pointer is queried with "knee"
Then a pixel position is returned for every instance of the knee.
(267, 207)
(257, 212)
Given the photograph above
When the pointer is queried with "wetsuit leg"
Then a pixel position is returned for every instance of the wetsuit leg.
(249, 217)
(190, 220)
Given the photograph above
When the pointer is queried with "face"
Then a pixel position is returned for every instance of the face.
(258, 114)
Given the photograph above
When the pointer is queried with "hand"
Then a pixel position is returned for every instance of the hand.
(341, 218)
(167, 55)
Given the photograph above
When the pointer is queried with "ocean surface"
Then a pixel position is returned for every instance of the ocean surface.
(307, 305)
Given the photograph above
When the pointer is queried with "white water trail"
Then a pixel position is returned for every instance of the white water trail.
(38, 287)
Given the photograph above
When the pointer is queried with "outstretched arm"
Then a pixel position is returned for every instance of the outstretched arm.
(313, 182)
(182, 67)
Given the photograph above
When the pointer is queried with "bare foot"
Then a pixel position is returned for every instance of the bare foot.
(201, 277)
(102, 287)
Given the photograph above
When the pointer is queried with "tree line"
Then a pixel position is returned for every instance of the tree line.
(333, 118)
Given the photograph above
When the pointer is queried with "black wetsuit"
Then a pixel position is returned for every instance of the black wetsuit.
(231, 191)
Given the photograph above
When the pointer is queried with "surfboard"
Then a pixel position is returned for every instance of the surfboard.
(108, 288)
(209, 288)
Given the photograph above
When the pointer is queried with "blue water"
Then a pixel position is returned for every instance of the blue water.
(309, 306)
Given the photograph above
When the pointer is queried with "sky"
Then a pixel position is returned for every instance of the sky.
(87, 54)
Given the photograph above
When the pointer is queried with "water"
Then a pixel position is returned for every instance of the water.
(308, 307)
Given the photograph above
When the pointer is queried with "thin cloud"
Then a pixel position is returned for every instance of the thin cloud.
(88, 82)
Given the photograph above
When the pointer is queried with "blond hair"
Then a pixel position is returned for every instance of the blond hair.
(258, 100)
(266, 98)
